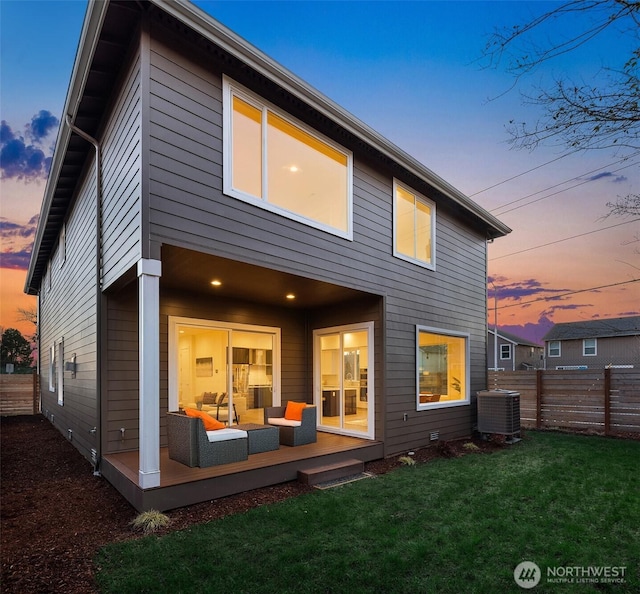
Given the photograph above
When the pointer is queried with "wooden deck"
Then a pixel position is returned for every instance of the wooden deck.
(181, 485)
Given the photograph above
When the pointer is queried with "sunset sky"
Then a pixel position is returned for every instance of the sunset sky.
(414, 72)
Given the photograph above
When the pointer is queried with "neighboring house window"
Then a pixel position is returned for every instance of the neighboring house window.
(279, 164)
(52, 368)
(505, 351)
(589, 347)
(413, 226)
(554, 348)
(442, 368)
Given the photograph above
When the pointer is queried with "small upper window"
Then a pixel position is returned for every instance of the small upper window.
(413, 226)
(277, 163)
(589, 347)
(554, 348)
(62, 245)
(505, 351)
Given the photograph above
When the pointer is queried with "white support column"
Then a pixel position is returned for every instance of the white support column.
(149, 272)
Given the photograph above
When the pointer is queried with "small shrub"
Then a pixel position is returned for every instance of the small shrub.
(407, 461)
(150, 521)
(471, 447)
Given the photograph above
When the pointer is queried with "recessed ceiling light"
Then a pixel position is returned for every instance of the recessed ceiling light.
(291, 296)
(216, 283)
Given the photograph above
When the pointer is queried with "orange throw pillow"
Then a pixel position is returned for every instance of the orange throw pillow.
(210, 424)
(294, 410)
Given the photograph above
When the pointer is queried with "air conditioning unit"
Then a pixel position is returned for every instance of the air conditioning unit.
(499, 412)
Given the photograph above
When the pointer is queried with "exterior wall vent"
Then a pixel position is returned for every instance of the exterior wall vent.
(434, 436)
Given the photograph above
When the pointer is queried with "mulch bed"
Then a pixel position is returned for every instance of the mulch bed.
(56, 515)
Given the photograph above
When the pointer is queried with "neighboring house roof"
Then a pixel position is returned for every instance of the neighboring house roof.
(515, 339)
(629, 326)
(106, 33)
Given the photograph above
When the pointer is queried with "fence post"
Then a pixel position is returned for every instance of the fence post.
(538, 398)
(607, 401)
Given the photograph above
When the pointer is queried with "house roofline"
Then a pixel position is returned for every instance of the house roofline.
(214, 31)
(93, 20)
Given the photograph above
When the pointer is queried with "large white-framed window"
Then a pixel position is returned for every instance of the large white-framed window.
(414, 226)
(275, 162)
(442, 368)
(221, 366)
(554, 349)
(590, 347)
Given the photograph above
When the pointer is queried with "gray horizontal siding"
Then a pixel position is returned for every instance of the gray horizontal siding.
(122, 181)
(68, 312)
(188, 209)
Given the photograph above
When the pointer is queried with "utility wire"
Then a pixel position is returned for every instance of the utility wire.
(535, 247)
(558, 184)
(554, 297)
(555, 193)
(523, 173)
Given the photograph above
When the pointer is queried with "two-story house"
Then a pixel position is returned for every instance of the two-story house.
(513, 353)
(594, 344)
(214, 224)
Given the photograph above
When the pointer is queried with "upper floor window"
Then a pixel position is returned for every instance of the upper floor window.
(413, 226)
(554, 348)
(589, 347)
(277, 163)
(505, 351)
(62, 245)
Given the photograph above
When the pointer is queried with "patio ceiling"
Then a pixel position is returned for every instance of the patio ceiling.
(193, 271)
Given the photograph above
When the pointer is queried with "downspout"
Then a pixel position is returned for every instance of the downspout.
(97, 430)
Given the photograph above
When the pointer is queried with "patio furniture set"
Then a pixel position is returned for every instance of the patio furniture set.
(190, 443)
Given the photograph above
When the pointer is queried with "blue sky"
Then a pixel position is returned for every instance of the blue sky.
(414, 72)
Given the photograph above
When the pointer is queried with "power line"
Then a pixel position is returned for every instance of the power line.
(535, 247)
(555, 193)
(523, 173)
(554, 297)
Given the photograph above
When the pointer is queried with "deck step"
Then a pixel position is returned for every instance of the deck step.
(330, 472)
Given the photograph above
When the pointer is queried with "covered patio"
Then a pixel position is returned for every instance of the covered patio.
(181, 485)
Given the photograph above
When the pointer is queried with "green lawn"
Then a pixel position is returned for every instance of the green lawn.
(451, 525)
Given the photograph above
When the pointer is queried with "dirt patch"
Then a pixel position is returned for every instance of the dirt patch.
(56, 515)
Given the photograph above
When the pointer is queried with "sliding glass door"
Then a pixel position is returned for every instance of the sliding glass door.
(232, 371)
(343, 379)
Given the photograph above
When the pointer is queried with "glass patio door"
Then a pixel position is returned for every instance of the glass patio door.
(344, 379)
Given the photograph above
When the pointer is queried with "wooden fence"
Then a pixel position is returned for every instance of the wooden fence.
(605, 401)
(19, 394)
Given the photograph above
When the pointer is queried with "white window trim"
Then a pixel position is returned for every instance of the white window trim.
(584, 347)
(559, 348)
(503, 358)
(60, 371)
(432, 205)
(231, 89)
(52, 367)
(467, 372)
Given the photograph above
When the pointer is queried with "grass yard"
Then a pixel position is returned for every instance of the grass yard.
(448, 526)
